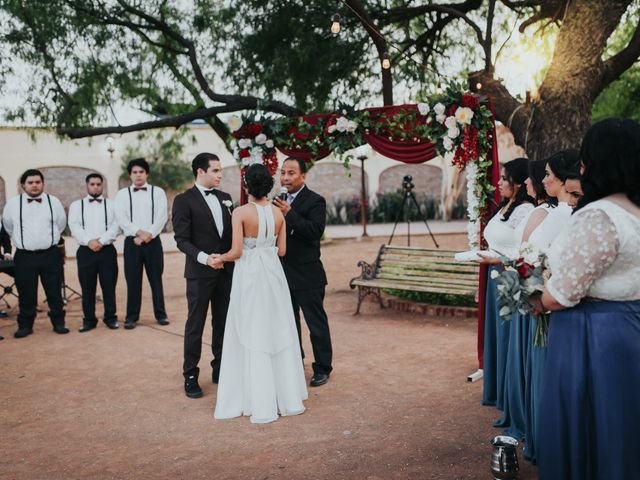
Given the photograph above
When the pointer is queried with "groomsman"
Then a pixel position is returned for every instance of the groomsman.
(93, 224)
(305, 215)
(35, 220)
(141, 212)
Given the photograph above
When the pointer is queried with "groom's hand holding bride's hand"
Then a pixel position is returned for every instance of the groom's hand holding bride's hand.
(215, 261)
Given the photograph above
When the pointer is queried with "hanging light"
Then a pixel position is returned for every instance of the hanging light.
(335, 23)
(478, 86)
(386, 63)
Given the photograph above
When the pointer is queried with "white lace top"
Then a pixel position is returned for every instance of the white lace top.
(501, 236)
(597, 256)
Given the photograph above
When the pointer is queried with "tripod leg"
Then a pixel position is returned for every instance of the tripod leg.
(415, 202)
(398, 217)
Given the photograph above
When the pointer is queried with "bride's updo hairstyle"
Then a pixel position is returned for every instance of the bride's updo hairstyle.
(517, 172)
(610, 154)
(258, 181)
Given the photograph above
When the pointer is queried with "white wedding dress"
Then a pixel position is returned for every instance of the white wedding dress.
(261, 374)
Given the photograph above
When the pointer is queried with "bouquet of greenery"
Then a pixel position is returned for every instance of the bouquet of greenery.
(519, 285)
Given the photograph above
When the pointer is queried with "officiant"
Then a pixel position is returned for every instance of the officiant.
(305, 215)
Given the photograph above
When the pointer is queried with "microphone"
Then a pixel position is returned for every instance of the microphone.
(283, 194)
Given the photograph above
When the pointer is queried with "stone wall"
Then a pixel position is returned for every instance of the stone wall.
(331, 180)
(426, 178)
(3, 195)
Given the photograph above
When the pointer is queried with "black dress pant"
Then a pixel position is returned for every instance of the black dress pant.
(92, 266)
(311, 303)
(150, 256)
(47, 265)
(202, 292)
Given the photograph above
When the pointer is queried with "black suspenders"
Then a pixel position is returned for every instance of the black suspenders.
(106, 223)
(131, 205)
(22, 226)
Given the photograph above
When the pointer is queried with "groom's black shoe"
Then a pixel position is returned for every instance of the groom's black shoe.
(163, 321)
(192, 388)
(319, 379)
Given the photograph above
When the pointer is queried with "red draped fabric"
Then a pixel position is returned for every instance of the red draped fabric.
(306, 154)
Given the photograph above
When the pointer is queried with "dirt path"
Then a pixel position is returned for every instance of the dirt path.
(109, 404)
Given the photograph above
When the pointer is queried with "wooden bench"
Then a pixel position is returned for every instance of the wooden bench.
(417, 270)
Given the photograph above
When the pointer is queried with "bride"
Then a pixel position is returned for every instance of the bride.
(261, 374)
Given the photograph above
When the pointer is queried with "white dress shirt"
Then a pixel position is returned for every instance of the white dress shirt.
(91, 219)
(135, 210)
(292, 196)
(41, 224)
(216, 210)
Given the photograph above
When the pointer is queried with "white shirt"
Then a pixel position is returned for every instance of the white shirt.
(38, 230)
(292, 196)
(501, 236)
(98, 221)
(597, 256)
(216, 210)
(139, 212)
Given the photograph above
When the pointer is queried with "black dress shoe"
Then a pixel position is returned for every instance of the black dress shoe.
(192, 388)
(163, 321)
(23, 332)
(112, 325)
(215, 378)
(86, 327)
(319, 379)
(61, 329)
(129, 324)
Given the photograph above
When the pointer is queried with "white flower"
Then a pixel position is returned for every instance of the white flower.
(256, 154)
(494, 274)
(464, 115)
(341, 124)
(352, 126)
(423, 108)
(228, 204)
(447, 143)
(440, 118)
(233, 144)
(260, 138)
(244, 143)
(439, 108)
(450, 122)
(453, 132)
(331, 129)
(268, 143)
(234, 123)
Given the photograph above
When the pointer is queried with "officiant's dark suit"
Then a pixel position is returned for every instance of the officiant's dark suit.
(303, 268)
(197, 234)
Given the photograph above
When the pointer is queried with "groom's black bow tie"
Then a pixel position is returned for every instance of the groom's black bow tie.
(209, 192)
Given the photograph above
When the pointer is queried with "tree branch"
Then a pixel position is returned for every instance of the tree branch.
(400, 14)
(619, 63)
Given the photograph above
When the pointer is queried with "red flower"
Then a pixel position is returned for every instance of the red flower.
(237, 134)
(452, 109)
(252, 130)
(244, 153)
(524, 268)
(470, 101)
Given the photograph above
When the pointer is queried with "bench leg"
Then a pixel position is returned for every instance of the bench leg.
(363, 292)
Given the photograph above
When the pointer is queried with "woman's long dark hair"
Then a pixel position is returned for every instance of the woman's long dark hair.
(610, 153)
(536, 174)
(565, 164)
(517, 172)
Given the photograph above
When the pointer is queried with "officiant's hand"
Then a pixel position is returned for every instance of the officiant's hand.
(487, 260)
(282, 205)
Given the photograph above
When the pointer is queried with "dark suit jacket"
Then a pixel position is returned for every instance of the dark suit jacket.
(305, 226)
(195, 231)
(5, 241)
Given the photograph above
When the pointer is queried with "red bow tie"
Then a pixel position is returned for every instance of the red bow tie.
(135, 189)
(99, 200)
(29, 200)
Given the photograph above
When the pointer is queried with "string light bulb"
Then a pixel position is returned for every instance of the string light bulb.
(478, 86)
(386, 63)
(335, 23)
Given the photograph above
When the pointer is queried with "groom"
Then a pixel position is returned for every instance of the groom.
(305, 215)
(202, 227)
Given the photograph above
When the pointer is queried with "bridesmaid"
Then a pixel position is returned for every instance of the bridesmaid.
(500, 236)
(590, 419)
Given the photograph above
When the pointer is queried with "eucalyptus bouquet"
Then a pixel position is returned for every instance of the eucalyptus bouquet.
(519, 285)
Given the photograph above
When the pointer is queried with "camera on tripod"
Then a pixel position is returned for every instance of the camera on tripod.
(407, 183)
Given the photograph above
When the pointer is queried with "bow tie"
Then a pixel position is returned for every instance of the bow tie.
(135, 189)
(99, 200)
(29, 200)
(209, 192)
